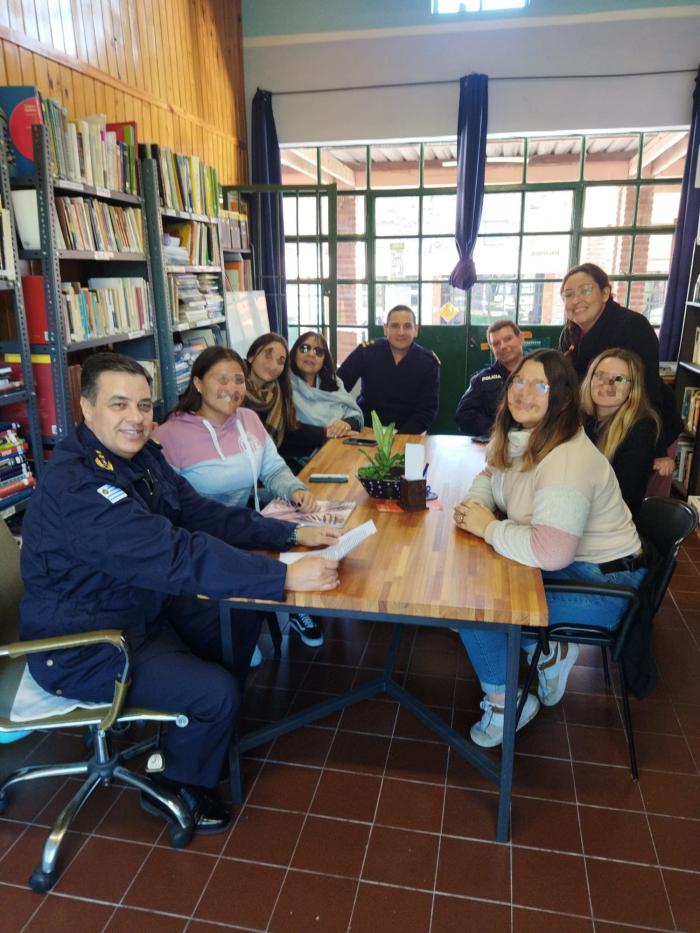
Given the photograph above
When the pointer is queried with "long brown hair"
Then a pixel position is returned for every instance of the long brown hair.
(283, 380)
(635, 408)
(560, 423)
(327, 376)
(191, 399)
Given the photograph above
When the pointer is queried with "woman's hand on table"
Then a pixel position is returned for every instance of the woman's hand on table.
(473, 517)
(317, 536)
(312, 573)
(304, 500)
(339, 429)
(664, 466)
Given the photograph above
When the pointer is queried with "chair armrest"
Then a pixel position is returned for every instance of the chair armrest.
(112, 637)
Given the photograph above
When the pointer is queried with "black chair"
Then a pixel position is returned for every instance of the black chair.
(104, 765)
(665, 523)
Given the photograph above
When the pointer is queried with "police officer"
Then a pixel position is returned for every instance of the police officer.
(476, 411)
(400, 380)
(114, 539)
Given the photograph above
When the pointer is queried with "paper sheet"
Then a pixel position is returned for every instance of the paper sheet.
(343, 546)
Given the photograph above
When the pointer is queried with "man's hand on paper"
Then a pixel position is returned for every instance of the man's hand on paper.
(312, 573)
(317, 536)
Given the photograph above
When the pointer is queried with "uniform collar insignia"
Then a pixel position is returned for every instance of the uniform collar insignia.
(102, 462)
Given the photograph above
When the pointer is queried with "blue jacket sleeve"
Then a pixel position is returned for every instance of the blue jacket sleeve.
(428, 401)
(472, 416)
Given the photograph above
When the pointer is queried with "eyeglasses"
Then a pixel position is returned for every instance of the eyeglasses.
(609, 379)
(307, 348)
(519, 384)
(583, 291)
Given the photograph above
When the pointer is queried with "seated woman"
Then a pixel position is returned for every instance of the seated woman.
(319, 395)
(620, 421)
(221, 448)
(564, 514)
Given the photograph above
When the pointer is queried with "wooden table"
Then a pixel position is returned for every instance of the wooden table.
(419, 569)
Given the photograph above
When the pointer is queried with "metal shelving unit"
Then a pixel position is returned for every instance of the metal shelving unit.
(688, 373)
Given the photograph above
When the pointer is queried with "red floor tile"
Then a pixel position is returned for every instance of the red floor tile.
(170, 881)
(684, 893)
(262, 835)
(617, 834)
(398, 856)
(65, 915)
(671, 794)
(546, 824)
(410, 805)
(550, 881)
(353, 751)
(313, 902)
(333, 847)
(241, 893)
(537, 921)
(391, 910)
(103, 869)
(632, 894)
(128, 919)
(474, 869)
(417, 761)
(470, 813)
(284, 785)
(461, 913)
(677, 842)
(346, 796)
(18, 905)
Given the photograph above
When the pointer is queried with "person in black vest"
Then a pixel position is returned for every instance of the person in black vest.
(476, 411)
(596, 322)
(400, 380)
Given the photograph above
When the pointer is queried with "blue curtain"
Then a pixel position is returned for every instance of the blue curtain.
(686, 232)
(267, 228)
(471, 163)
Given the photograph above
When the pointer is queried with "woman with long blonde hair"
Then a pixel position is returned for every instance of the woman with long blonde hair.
(620, 421)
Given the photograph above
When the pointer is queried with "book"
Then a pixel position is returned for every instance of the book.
(12, 488)
(332, 512)
(696, 347)
(22, 106)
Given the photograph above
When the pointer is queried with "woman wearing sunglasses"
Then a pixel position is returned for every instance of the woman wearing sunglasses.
(563, 513)
(620, 421)
(596, 322)
(319, 395)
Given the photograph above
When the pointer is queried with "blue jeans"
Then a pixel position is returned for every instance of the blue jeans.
(487, 647)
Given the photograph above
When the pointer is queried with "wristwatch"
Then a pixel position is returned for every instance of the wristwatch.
(292, 539)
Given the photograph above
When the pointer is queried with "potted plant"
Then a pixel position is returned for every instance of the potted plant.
(382, 476)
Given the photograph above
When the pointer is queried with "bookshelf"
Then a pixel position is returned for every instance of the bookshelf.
(687, 476)
(94, 288)
(17, 404)
(187, 277)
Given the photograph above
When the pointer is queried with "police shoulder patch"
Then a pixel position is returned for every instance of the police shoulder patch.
(367, 343)
(112, 493)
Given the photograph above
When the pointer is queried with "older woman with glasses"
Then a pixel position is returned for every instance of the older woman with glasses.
(620, 421)
(596, 322)
(563, 513)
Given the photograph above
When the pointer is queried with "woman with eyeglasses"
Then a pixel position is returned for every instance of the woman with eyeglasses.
(596, 322)
(620, 421)
(563, 513)
(319, 395)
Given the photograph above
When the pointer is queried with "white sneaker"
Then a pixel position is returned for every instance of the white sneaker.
(488, 732)
(257, 658)
(552, 678)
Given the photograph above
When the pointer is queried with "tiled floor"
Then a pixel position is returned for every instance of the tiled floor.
(364, 822)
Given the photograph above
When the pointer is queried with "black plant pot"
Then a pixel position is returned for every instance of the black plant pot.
(389, 488)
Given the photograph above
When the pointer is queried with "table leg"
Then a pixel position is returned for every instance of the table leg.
(508, 748)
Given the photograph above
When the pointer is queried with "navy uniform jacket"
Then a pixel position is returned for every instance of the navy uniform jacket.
(108, 542)
(477, 408)
(407, 393)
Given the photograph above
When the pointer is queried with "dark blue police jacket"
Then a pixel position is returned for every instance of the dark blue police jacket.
(108, 543)
(477, 408)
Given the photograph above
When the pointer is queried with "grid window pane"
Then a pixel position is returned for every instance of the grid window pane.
(299, 166)
(492, 300)
(652, 253)
(289, 214)
(439, 257)
(351, 214)
(347, 340)
(351, 260)
(292, 304)
(396, 216)
(313, 260)
(496, 256)
(439, 213)
(612, 253)
(442, 305)
(309, 213)
(555, 159)
(609, 206)
(545, 254)
(548, 210)
(658, 204)
(611, 157)
(440, 165)
(663, 155)
(396, 259)
(353, 304)
(540, 303)
(619, 291)
(648, 298)
(505, 161)
(311, 306)
(387, 296)
(395, 166)
(291, 260)
(501, 213)
(345, 167)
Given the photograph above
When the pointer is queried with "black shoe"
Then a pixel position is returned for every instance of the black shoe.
(306, 629)
(210, 815)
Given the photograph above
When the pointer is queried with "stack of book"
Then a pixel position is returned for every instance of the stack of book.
(684, 460)
(230, 230)
(696, 347)
(194, 299)
(238, 273)
(187, 184)
(184, 356)
(89, 151)
(106, 307)
(15, 473)
(8, 381)
(92, 225)
(690, 408)
(152, 367)
(198, 241)
(175, 255)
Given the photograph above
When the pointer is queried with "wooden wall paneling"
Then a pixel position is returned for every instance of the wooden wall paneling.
(14, 73)
(26, 65)
(3, 72)
(90, 32)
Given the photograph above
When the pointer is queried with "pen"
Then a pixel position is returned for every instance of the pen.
(425, 470)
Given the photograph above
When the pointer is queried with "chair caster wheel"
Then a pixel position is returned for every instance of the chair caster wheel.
(42, 881)
(180, 837)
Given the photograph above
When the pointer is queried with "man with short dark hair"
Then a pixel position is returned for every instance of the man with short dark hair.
(400, 379)
(477, 408)
(113, 538)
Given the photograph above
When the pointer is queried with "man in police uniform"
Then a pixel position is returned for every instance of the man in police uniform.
(477, 408)
(400, 379)
(114, 539)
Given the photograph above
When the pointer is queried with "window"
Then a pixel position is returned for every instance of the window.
(476, 6)
(550, 202)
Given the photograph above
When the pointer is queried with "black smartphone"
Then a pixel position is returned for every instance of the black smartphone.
(360, 441)
(480, 439)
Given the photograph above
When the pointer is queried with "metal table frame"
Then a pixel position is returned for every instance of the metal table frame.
(385, 683)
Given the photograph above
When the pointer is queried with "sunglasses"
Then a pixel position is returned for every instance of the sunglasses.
(307, 348)
(607, 379)
(519, 384)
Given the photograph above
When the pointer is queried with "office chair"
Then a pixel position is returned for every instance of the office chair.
(664, 522)
(104, 765)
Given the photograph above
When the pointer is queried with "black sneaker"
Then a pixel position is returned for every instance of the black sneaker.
(306, 629)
